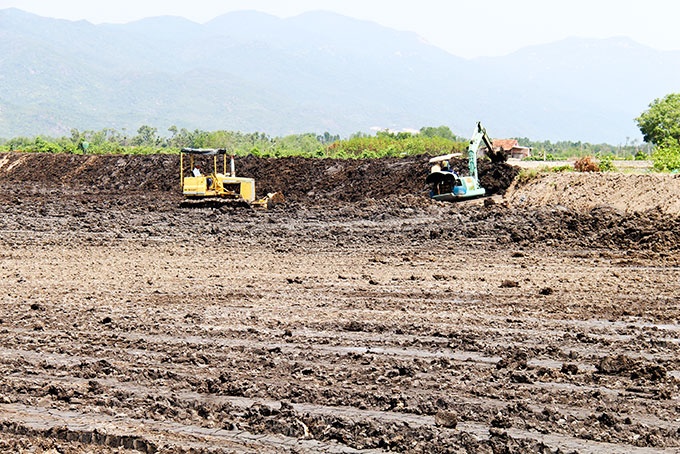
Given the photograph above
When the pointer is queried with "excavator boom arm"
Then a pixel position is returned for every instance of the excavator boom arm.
(480, 136)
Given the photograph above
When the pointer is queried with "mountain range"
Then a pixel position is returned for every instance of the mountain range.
(315, 72)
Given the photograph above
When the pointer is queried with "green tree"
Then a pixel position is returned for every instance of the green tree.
(76, 136)
(298, 144)
(660, 125)
(327, 138)
(41, 145)
(441, 131)
(146, 135)
(662, 120)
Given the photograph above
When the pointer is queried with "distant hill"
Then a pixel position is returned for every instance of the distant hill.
(315, 72)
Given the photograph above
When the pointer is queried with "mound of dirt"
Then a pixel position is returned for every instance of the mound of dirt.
(586, 191)
(302, 180)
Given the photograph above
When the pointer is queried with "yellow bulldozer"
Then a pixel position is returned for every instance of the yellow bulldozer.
(217, 188)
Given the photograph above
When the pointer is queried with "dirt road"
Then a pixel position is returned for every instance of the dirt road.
(331, 324)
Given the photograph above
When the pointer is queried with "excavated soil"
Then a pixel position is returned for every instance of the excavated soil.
(630, 193)
(360, 316)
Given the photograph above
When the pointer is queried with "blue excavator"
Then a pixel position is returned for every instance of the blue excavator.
(446, 184)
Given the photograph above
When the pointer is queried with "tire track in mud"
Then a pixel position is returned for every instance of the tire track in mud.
(397, 352)
(194, 339)
(403, 345)
(163, 436)
(118, 427)
(479, 430)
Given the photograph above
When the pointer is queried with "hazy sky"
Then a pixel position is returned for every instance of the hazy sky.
(465, 28)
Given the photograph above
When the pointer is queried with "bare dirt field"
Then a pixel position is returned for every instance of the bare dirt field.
(358, 317)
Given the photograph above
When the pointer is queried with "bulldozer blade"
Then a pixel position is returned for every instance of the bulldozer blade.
(270, 201)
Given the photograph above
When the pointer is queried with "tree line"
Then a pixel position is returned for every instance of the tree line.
(147, 140)
(428, 140)
(660, 127)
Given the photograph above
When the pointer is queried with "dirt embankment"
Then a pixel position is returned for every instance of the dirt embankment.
(302, 180)
(571, 209)
(315, 181)
(629, 193)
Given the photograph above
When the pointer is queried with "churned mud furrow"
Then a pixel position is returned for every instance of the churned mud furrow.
(96, 429)
(355, 318)
(118, 418)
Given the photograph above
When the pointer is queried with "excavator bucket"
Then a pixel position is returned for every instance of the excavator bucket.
(497, 156)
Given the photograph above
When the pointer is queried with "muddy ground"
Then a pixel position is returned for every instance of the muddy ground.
(358, 317)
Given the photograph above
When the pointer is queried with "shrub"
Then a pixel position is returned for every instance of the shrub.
(562, 168)
(586, 164)
(526, 175)
(666, 157)
(641, 156)
(606, 164)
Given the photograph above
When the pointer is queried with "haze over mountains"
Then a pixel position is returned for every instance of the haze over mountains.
(315, 72)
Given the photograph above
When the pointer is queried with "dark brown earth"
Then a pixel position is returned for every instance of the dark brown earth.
(358, 317)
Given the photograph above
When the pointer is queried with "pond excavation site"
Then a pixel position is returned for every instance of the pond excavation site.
(359, 316)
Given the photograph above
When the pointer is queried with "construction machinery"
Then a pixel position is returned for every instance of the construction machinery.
(446, 184)
(217, 188)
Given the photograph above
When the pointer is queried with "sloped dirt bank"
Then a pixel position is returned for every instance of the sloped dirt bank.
(308, 181)
(356, 318)
(629, 193)
(126, 195)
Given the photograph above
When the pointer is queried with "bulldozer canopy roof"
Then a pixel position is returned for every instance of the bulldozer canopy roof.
(205, 151)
